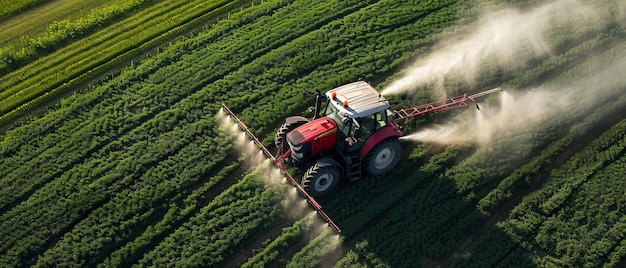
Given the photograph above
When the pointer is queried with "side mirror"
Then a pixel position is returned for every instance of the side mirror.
(304, 95)
(345, 120)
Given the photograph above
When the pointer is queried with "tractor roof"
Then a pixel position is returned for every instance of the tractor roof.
(363, 99)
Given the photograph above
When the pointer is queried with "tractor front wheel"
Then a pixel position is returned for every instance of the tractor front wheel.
(383, 157)
(320, 179)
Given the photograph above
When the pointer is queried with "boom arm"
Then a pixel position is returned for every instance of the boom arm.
(453, 102)
(283, 169)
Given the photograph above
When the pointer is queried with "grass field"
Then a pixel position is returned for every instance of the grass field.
(114, 151)
(36, 20)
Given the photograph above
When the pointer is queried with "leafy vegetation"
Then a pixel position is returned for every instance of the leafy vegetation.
(74, 65)
(131, 167)
(10, 8)
(59, 33)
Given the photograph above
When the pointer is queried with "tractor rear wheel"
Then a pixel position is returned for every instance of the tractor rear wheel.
(320, 179)
(290, 124)
(383, 157)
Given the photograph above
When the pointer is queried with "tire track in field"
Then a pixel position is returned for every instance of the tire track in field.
(331, 258)
(350, 243)
(410, 202)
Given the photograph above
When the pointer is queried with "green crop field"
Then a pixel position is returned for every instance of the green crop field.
(114, 151)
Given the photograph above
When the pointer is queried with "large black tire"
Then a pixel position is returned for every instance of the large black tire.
(383, 157)
(320, 179)
(290, 124)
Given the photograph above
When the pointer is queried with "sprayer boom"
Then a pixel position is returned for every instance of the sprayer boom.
(283, 169)
(453, 102)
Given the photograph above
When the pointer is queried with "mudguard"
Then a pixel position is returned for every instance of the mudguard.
(390, 130)
(325, 161)
(296, 119)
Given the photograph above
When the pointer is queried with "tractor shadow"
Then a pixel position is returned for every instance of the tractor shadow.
(412, 218)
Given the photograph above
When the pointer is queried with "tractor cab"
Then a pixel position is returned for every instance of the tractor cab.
(359, 111)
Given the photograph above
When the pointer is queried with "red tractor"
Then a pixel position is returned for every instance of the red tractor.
(356, 135)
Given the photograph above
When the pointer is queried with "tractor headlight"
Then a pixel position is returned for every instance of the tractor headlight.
(298, 151)
(296, 148)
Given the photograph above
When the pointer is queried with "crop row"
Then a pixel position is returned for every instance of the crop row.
(151, 102)
(130, 97)
(10, 8)
(315, 251)
(469, 179)
(118, 139)
(130, 209)
(60, 33)
(287, 238)
(87, 188)
(130, 128)
(574, 216)
(544, 138)
(173, 218)
(73, 65)
(236, 215)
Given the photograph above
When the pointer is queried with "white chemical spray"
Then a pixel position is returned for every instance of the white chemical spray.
(294, 205)
(514, 38)
(508, 38)
(525, 113)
